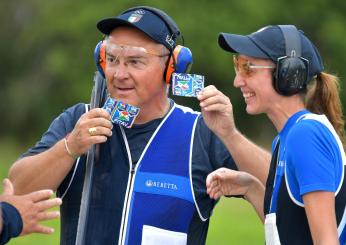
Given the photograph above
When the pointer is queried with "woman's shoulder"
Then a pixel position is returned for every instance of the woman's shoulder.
(311, 126)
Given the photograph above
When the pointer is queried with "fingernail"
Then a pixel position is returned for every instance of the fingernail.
(59, 201)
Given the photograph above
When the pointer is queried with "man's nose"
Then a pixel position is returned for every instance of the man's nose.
(121, 71)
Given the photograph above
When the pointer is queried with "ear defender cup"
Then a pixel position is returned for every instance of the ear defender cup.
(291, 70)
(100, 57)
(291, 76)
(180, 61)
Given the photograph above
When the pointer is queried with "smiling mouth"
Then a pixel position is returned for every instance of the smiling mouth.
(125, 89)
(248, 95)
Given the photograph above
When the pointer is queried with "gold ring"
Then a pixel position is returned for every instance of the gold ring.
(92, 131)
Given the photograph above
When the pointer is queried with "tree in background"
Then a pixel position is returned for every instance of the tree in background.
(47, 51)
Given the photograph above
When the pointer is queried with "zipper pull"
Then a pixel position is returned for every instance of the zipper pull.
(133, 166)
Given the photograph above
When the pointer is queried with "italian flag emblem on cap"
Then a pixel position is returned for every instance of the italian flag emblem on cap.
(134, 18)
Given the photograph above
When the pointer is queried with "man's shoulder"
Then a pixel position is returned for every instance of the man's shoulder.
(74, 112)
(186, 109)
(201, 127)
(78, 108)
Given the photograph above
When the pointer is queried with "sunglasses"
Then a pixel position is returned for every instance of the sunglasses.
(243, 66)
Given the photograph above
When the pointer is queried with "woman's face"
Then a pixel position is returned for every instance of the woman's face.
(254, 78)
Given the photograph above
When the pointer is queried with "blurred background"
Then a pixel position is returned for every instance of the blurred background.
(47, 65)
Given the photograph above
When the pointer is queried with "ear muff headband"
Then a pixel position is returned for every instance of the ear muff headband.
(292, 40)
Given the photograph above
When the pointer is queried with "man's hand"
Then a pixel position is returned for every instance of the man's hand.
(217, 111)
(32, 208)
(92, 128)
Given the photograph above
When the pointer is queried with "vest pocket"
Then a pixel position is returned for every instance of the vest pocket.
(153, 236)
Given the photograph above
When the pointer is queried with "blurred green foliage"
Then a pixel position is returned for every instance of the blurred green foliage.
(46, 50)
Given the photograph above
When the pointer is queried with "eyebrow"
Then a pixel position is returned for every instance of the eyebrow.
(128, 57)
(136, 56)
(109, 54)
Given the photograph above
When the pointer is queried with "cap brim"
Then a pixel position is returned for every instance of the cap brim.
(240, 44)
(106, 26)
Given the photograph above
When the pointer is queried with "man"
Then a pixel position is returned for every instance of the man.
(149, 184)
(19, 215)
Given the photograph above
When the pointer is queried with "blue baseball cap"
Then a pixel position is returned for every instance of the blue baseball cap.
(153, 22)
(269, 43)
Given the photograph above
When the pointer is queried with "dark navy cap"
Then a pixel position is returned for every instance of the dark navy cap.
(269, 43)
(153, 22)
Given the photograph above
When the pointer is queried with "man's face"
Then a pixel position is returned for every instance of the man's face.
(134, 68)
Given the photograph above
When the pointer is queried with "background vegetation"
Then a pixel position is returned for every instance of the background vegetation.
(47, 65)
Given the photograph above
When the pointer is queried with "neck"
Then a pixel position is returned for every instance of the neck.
(283, 110)
(149, 113)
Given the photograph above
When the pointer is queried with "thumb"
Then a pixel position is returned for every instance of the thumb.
(211, 178)
(7, 187)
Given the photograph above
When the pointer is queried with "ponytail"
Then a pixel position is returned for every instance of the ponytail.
(323, 98)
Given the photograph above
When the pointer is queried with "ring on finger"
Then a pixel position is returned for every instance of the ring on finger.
(92, 131)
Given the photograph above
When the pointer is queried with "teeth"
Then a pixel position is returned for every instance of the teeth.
(248, 95)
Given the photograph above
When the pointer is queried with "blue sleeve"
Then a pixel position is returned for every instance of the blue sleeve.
(12, 222)
(58, 129)
(311, 157)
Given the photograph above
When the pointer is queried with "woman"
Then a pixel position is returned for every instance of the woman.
(280, 73)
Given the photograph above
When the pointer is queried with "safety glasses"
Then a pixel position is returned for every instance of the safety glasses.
(243, 66)
(133, 57)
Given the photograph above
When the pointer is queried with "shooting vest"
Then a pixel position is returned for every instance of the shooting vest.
(159, 204)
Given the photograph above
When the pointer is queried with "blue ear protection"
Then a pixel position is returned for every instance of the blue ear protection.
(180, 60)
(100, 57)
(183, 59)
(292, 69)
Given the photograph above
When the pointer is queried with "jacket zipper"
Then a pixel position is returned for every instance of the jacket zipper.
(122, 235)
(123, 227)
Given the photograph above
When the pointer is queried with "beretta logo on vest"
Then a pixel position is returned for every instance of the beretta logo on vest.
(157, 184)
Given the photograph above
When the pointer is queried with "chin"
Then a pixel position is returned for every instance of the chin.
(124, 99)
(252, 111)
(129, 101)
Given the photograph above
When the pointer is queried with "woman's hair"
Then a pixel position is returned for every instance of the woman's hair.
(323, 98)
